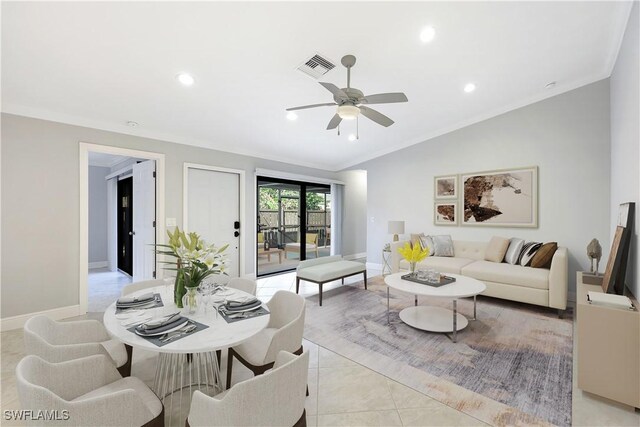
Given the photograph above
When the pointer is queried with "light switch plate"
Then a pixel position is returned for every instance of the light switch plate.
(171, 222)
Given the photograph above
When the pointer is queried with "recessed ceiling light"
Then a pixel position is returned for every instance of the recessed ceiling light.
(132, 124)
(427, 34)
(352, 137)
(550, 85)
(292, 116)
(469, 87)
(186, 79)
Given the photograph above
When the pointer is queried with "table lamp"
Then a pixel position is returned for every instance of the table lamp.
(395, 228)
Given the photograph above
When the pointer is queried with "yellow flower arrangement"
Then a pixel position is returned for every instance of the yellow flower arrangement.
(413, 254)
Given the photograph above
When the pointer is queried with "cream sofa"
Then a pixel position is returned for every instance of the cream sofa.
(540, 286)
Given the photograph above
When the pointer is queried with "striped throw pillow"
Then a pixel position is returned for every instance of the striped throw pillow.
(528, 251)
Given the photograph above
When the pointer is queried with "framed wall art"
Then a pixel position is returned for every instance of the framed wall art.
(501, 198)
(445, 213)
(446, 187)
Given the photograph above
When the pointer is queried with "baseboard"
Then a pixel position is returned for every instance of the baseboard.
(374, 266)
(15, 322)
(355, 256)
(98, 264)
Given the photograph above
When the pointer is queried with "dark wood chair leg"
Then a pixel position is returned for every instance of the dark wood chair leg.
(365, 278)
(125, 370)
(302, 422)
(320, 285)
(297, 285)
(219, 358)
(229, 367)
(343, 280)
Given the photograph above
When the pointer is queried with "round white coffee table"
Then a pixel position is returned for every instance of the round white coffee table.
(436, 319)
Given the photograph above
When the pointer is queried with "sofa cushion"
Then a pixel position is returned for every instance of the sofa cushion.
(441, 264)
(496, 249)
(509, 274)
(544, 255)
(426, 242)
(513, 253)
(442, 245)
(331, 270)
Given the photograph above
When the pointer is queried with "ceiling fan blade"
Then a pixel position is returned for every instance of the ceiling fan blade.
(311, 106)
(377, 117)
(335, 121)
(335, 90)
(384, 98)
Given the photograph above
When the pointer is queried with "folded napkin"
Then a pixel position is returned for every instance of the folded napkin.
(162, 322)
(148, 297)
(241, 301)
(243, 307)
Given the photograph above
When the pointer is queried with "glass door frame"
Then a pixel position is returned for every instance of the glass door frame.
(302, 216)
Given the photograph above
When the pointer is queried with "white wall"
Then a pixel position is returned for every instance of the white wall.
(98, 214)
(625, 138)
(354, 222)
(40, 204)
(566, 136)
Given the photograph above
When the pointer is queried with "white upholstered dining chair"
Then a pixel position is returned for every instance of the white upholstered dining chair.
(137, 286)
(247, 285)
(283, 333)
(275, 398)
(89, 390)
(61, 341)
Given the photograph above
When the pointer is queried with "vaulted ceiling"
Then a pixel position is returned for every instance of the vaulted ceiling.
(104, 64)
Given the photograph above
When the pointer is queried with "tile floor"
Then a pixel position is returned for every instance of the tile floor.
(104, 287)
(341, 392)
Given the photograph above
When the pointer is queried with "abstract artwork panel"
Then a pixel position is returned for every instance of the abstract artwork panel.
(506, 198)
(445, 214)
(446, 187)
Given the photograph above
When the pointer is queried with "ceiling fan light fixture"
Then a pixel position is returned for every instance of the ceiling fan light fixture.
(348, 112)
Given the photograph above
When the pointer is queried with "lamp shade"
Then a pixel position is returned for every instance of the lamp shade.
(396, 227)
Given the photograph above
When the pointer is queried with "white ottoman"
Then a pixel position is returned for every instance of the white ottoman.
(328, 269)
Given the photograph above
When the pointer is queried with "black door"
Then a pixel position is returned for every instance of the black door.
(125, 225)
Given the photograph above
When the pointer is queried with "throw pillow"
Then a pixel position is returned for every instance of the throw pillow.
(513, 253)
(415, 238)
(426, 242)
(496, 249)
(528, 251)
(442, 245)
(544, 255)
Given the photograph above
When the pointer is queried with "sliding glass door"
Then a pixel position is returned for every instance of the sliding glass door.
(293, 223)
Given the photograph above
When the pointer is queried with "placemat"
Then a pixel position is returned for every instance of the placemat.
(157, 304)
(156, 340)
(250, 315)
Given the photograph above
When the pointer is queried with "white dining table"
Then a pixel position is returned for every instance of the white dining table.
(191, 360)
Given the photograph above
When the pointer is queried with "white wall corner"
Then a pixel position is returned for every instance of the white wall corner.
(98, 264)
(15, 322)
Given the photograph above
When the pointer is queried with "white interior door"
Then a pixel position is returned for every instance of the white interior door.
(213, 208)
(144, 220)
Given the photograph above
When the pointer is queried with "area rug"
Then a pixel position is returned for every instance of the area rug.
(512, 366)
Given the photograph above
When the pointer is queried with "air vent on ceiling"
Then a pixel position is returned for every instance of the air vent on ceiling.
(316, 66)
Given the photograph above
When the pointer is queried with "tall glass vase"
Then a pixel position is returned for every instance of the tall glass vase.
(190, 300)
(413, 268)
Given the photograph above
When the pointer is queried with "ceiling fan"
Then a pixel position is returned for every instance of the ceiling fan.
(350, 101)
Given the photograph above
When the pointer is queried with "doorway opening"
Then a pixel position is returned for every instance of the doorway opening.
(293, 223)
(118, 221)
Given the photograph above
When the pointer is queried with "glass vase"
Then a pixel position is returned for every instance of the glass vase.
(413, 268)
(190, 300)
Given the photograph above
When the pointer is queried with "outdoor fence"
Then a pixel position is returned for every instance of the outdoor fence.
(278, 234)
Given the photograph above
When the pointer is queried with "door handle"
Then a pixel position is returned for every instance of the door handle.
(132, 233)
(236, 233)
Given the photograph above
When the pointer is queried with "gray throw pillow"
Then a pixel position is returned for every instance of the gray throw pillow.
(442, 245)
(513, 252)
(426, 242)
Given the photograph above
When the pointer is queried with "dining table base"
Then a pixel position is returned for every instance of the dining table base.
(179, 372)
